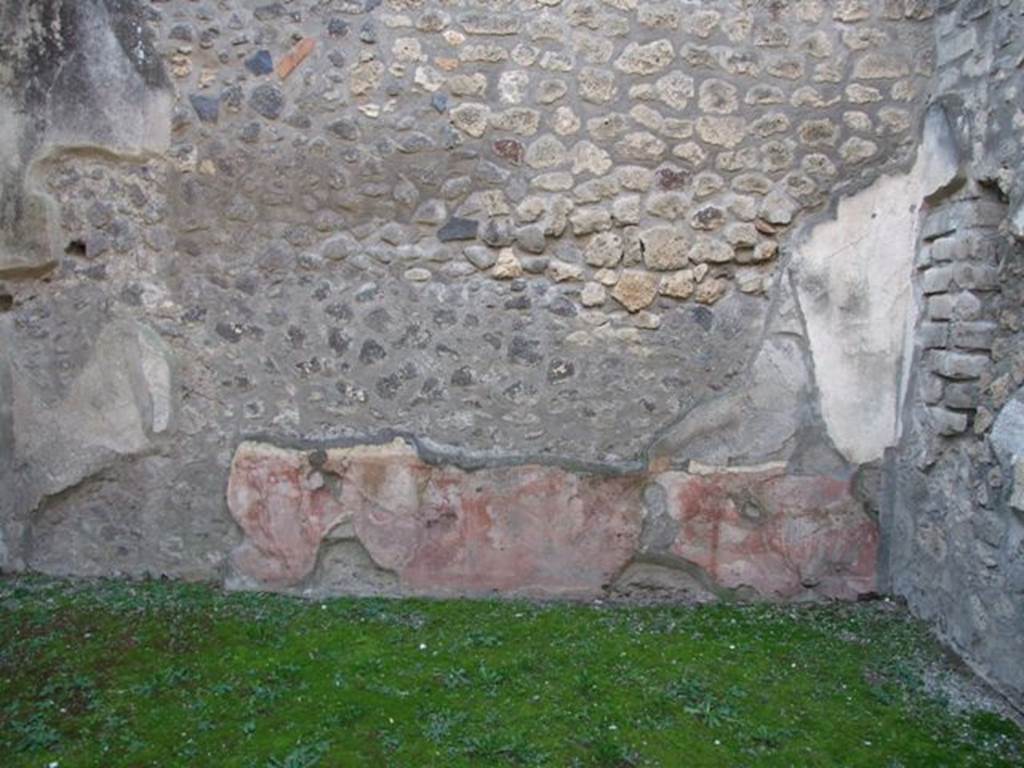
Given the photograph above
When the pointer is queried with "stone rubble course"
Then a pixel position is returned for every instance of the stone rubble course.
(572, 251)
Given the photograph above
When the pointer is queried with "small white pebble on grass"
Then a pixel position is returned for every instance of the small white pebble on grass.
(423, 646)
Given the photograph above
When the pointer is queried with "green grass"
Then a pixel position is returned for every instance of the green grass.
(158, 674)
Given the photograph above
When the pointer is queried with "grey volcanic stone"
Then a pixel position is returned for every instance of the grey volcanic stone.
(457, 228)
(267, 100)
(206, 107)
(260, 63)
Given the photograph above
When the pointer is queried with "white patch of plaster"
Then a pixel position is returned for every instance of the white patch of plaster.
(853, 278)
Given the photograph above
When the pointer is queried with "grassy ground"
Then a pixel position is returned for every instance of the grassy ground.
(156, 674)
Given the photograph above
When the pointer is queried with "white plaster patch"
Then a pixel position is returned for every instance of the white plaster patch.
(853, 278)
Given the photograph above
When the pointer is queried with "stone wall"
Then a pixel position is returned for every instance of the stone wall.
(954, 513)
(546, 297)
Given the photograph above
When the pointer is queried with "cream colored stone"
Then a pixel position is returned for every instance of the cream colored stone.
(593, 295)
(587, 157)
(668, 205)
(858, 93)
(636, 290)
(690, 152)
(507, 266)
(678, 285)
(565, 122)
(647, 117)
(718, 97)
(635, 178)
(665, 247)
(638, 59)
(489, 53)
(880, 66)
(604, 250)
(472, 119)
(561, 271)
(626, 209)
(722, 131)
(524, 55)
(707, 183)
(675, 89)
(365, 77)
(513, 85)
(468, 85)
(640, 146)
(531, 209)
(742, 234)
(407, 49)
(428, 78)
(597, 86)
(856, 150)
(711, 290)
(710, 250)
(558, 181)
(858, 121)
(589, 219)
(523, 121)
(546, 152)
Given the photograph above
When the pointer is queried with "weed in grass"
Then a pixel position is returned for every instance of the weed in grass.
(303, 756)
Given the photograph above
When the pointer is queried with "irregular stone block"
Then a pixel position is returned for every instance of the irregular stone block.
(973, 335)
(646, 59)
(636, 290)
(947, 423)
(665, 248)
(207, 107)
(959, 365)
(260, 63)
(458, 229)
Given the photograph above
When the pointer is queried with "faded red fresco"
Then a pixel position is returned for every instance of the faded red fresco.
(520, 530)
(274, 497)
(538, 530)
(777, 534)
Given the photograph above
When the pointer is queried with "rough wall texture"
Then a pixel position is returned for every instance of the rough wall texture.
(531, 296)
(954, 520)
